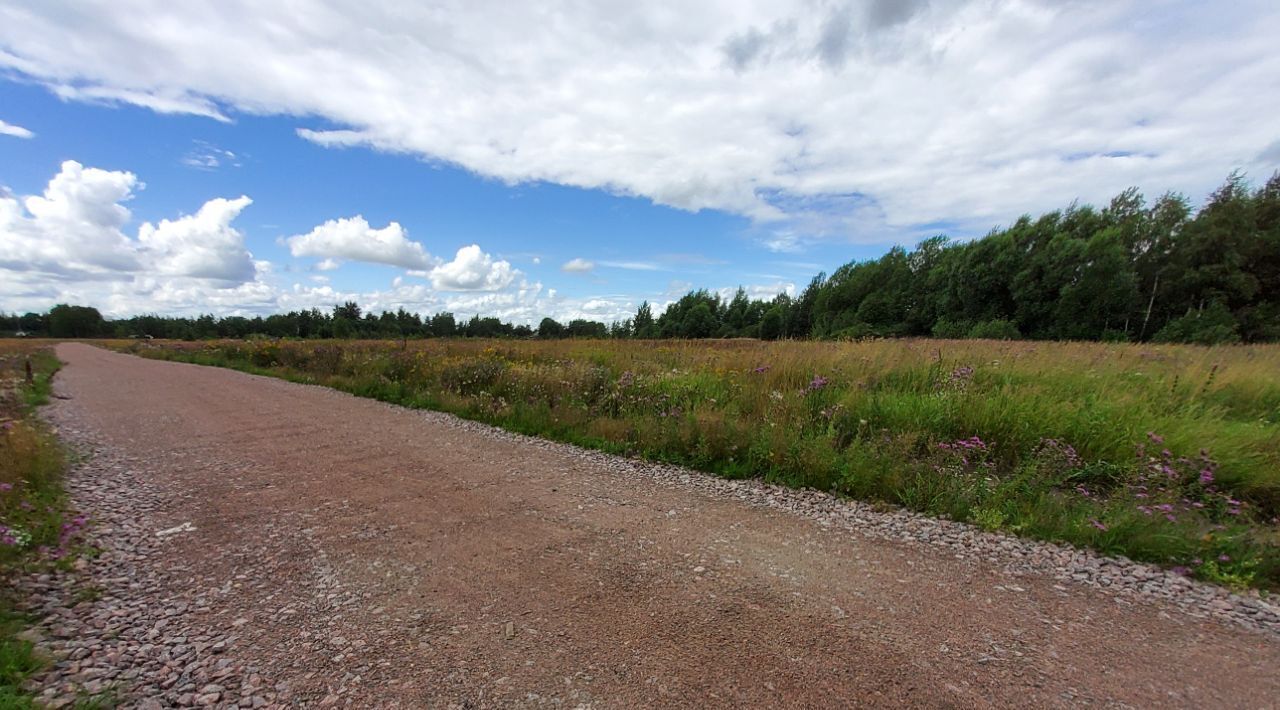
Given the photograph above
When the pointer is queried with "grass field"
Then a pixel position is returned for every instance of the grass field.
(1169, 454)
(35, 528)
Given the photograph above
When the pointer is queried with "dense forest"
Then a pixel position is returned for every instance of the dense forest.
(1131, 271)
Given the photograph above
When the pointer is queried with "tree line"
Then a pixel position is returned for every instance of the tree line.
(1131, 271)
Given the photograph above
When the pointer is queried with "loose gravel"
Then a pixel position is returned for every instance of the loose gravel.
(110, 626)
(1128, 580)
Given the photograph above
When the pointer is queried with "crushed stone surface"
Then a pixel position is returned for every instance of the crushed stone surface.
(268, 544)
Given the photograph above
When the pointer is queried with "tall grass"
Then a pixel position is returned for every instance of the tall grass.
(34, 528)
(1169, 454)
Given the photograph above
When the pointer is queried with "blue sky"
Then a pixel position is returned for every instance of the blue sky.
(452, 159)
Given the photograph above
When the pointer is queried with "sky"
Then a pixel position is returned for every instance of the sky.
(573, 159)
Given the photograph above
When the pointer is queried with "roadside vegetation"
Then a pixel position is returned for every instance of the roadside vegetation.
(35, 528)
(1167, 454)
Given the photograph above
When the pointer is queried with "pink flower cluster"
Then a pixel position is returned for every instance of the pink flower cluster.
(1169, 485)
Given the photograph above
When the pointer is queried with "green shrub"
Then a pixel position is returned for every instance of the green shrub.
(1212, 326)
(995, 330)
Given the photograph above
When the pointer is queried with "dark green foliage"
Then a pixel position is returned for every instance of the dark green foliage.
(771, 324)
(549, 328)
(998, 329)
(75, 322)
(1212, 326)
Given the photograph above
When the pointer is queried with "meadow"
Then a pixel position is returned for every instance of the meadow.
(1163, 453)
(36, 529)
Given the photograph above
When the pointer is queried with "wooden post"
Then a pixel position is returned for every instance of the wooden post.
(30, 377)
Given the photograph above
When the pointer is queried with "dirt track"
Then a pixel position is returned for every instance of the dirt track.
(456, 567)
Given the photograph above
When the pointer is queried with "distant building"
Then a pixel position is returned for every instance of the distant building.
(20, 334)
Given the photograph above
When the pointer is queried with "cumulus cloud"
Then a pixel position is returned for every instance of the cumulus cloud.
(203, 245)
(473, 270)
(8, 129)
(578, 266)
(69, 243)
(353, 239)
(960, 110)
(74, 227)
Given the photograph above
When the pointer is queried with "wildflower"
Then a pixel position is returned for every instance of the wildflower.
(1206, 476)
(1181, 571)
(1155, 438)
(761, 369)
(1098, 524)
(6, 487)
(817, 383)
(14, 537)
(1224, 558)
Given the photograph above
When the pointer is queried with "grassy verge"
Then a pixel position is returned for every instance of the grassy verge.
(1167, 454)
(34, 526)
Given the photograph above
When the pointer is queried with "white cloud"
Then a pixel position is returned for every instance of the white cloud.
(203, 245)
(352, 238)
(632, 265)
(473, 270)
(207, 156)
(8, 129)
(69, 244)
(159, 100)
(578, 266)
(74, 227)
(966, 112)
(759, 292)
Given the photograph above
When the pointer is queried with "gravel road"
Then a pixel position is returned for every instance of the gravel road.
(270, 544)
